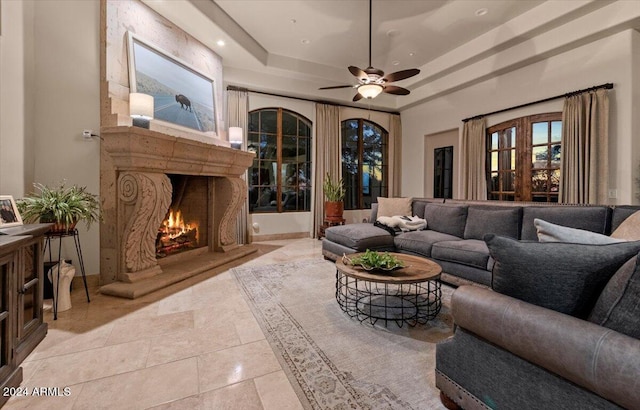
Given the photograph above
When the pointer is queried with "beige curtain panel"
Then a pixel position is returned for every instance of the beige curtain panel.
(474, 179)
(327, 158)
(238, 116)
(395, 145)
(585, 141)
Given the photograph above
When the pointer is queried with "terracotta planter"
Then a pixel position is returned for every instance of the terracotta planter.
(333, 211)
(60, 227)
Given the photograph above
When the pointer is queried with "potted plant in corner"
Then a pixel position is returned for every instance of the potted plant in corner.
(334, 199)
(63, 206)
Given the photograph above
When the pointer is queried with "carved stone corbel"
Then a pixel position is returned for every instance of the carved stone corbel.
(144, 201)
(230, 194)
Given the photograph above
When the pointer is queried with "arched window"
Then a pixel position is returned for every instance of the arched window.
(364, 163)
(280, 177)
(523, 158)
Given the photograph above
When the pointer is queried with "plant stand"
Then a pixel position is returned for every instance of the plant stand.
(47, 245)
(327, 223)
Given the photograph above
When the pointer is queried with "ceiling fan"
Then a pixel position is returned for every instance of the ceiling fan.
(372, 81)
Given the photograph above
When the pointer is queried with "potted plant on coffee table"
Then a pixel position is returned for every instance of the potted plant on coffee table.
(334, 199)
(63, 206)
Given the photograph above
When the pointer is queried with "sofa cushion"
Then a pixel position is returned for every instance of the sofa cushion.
(590, 218)
(361, 236)
(548, 232)
(394, 206)
(420, 242)
(565, 277)
(449, 219)
(620, 213)
(618, 306)
(470, 252)
(417, 208)
(496, 220)
(628, 229)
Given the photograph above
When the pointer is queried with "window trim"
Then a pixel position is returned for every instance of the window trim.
(360, 205)
(279, 160)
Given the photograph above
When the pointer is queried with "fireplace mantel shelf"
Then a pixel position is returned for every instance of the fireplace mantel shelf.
(140, 149)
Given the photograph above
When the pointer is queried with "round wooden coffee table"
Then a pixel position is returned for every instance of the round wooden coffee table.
(409, 295)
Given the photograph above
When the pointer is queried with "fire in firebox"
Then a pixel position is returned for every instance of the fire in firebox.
(174, 235)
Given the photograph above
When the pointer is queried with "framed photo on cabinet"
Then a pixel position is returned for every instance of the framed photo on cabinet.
(9, 214)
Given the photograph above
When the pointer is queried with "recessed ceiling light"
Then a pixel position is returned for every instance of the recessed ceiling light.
(411, 54)
(482, 11)
(395, 62)
(305, 41)
(220, 43)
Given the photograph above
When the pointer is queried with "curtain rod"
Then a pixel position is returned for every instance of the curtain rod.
(234, 88)
(607, 86)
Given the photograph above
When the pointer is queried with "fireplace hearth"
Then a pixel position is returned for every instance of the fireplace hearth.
(148, 181)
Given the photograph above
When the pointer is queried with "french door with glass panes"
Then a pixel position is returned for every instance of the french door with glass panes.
(523, 159)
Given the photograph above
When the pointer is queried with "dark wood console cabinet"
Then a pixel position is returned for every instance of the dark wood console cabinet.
(21, 289)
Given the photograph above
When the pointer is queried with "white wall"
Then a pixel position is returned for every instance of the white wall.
(67, 90)
(16, 131)
(50, 78)
(606, 60)
(287, 222)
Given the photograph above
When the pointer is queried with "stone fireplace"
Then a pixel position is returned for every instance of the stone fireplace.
(147, 178)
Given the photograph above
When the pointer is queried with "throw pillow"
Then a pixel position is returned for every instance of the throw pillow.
(565, 277)
(394, 206)
(612, 292)
(590, 218)
(618, 306)
(548, 232)
(629, 229)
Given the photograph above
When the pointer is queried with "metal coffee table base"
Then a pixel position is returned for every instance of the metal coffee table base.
(410, 303)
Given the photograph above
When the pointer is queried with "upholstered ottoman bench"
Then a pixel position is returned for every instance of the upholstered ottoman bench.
(353, 238)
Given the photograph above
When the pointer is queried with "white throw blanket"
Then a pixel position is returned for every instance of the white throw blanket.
(405, 223)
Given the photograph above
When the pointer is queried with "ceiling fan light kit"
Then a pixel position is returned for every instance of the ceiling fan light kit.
(372, 81)
(370, 90)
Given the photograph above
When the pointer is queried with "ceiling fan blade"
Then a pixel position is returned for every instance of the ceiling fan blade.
(358, 73)
(392, 89)
(336, 86)
(357, 97)
(401, 75)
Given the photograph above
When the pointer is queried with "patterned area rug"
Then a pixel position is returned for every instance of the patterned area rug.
(335, 362)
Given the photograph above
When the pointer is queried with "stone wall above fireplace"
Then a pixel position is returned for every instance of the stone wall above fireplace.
(136, 194)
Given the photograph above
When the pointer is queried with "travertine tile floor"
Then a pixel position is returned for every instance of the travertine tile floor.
(193, 345)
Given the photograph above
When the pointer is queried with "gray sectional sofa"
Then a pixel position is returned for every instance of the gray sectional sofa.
(456, 228)
(511, 352)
